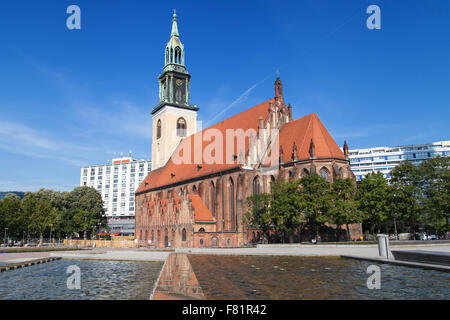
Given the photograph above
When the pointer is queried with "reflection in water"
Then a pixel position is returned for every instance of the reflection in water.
(99, 280)
(177, 280)
(295, 278)
(224, 277)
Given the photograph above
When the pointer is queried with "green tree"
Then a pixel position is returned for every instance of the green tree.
(258, 214)
(10, 211)
(38, 214)
(286, 206)
(344, 208)
(11, 196)
(405, 194)
(315, 201)
(372, 196)
(435, 190)
(85, 209)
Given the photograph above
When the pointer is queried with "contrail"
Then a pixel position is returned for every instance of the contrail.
(241, 98)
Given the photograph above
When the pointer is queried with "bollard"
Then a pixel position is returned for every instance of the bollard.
(383, 245)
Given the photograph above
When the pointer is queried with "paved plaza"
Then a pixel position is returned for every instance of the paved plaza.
(369, 251)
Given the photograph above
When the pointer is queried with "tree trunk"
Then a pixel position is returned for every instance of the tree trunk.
(348, 232)
(41, 239)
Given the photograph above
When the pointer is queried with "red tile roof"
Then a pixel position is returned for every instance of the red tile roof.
(201, 211)
(173, 172)
(301, 131)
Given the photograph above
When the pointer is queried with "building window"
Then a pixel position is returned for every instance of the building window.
(304, 173)
(183, 235)
(181, 127)
(256, 185)
(213, 199)
(231, 205)
(158, 130)
(324, 173)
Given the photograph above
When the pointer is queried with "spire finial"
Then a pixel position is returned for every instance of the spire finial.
(174, 25)
(345, 150)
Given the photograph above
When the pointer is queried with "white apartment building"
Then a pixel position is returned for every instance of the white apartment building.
(117, 183)
(384, 159)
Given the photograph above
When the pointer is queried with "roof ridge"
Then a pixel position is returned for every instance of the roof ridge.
(324, 134)
(307, 129)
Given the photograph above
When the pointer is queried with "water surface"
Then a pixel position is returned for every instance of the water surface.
(289, 277)
(117, 280)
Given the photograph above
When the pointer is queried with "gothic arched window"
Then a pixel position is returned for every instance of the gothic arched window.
(342, 173)
(178, 55)
(158, 130)
(181, 127)
(212, 202)
(324, 173)
(305, 173)
(231, 205)
(256, 185)
(183, 235)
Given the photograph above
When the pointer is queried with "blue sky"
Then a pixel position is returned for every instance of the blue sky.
(70, 98)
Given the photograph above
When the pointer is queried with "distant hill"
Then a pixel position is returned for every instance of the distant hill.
(4, 193)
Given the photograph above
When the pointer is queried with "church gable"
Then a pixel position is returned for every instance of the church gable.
(296, 137)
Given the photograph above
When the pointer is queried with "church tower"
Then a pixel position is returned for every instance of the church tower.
(173, 118)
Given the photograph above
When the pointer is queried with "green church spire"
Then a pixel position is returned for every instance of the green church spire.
(174, 25)
(175, 80)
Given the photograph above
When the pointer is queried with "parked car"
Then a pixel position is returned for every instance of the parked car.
(433, 237)
(422, 236)
(405, 236)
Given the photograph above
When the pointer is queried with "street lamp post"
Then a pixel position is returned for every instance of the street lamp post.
(395, 229)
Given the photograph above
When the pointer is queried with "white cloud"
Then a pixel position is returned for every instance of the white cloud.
(21, 139)
(123, 118)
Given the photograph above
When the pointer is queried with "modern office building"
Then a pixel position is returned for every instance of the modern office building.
(384, 159)
(117, 183)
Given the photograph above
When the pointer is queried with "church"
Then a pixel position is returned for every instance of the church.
(195, 195)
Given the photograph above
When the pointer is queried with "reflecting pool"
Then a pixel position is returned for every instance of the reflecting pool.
(290, 277)
(100, 280)
(216, 277)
